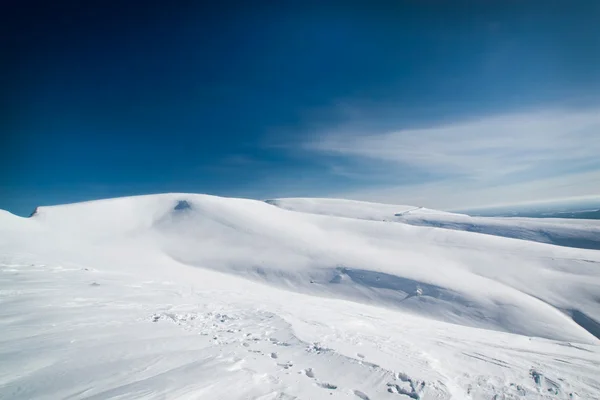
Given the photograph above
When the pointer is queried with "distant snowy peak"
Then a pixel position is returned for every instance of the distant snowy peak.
(577, 233)
(351, 208)
(150, 205)
(142, 212)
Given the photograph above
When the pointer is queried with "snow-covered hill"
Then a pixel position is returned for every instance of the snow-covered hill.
(580, 233)
(194, 296)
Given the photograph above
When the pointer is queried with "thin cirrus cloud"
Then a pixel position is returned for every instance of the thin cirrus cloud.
(553, 153)
(460, 195)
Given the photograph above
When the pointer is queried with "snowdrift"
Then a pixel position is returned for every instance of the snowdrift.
(338, 249)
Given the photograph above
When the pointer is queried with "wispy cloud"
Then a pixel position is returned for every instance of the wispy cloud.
(459, 194)
(540, 154)
(487, 147)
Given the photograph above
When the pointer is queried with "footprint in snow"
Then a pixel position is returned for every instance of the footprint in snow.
(311, 374)
(361, 395)
(326, 385)
(286, 365)
(405, 385)
(543, 382)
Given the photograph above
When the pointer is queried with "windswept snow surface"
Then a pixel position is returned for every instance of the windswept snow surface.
(193, 296)
(580, 233)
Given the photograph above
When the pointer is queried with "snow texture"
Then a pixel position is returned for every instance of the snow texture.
(194, 296)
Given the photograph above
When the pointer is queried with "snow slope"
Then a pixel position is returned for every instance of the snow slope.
(350, 208)
(578, 233)
(193, 296)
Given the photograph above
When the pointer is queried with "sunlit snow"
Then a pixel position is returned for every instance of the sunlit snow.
(183, 296)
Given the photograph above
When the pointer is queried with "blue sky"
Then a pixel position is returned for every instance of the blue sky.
(424, 102)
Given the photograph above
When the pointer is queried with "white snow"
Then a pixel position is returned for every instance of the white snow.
(194, 296)
(579, 233)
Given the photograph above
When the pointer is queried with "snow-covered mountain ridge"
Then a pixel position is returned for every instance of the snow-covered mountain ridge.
(292, 271)
(578, 233)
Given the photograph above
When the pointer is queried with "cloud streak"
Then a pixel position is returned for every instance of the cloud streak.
(487, 147)
(540, 154)
(454, 195)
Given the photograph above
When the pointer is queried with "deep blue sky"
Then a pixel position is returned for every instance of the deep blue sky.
(106, 98)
